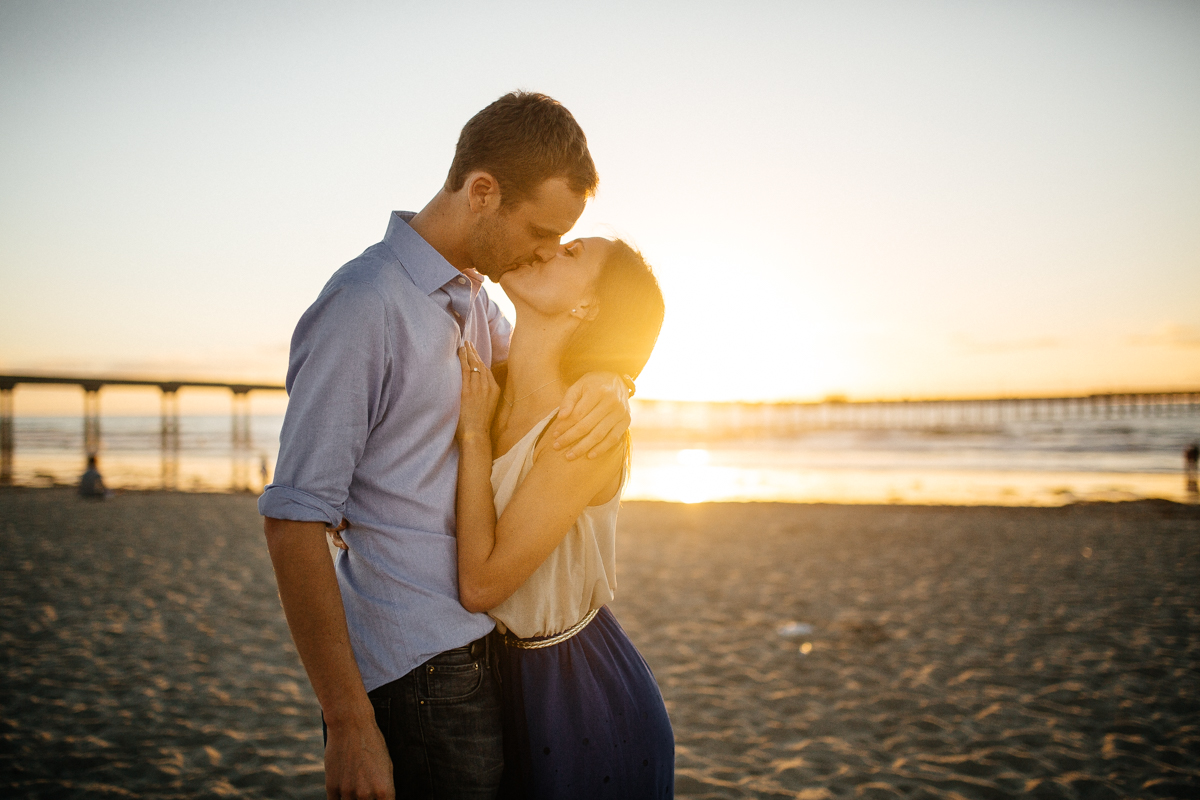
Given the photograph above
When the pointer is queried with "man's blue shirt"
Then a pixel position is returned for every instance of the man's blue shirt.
(373, 395)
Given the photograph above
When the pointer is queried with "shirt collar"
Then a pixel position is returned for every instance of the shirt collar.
(426, 267)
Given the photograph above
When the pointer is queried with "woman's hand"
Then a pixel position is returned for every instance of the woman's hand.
(479, 395)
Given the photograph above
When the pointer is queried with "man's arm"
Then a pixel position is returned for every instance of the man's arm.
(593, 417)
(335, 385)
(356, 757)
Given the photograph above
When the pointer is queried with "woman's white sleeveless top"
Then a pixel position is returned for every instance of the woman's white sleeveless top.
(579, 576)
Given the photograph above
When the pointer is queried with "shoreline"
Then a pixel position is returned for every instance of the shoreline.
(1138, 502)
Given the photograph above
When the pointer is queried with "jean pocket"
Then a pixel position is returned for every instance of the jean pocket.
(448, 683)
(383, 714)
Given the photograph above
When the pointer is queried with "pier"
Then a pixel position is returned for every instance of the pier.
(654, 419)
(91, 386)
(664, 418)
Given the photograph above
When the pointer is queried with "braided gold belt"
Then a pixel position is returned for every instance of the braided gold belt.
(550, 641)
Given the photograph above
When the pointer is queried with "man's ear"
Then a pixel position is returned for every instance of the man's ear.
(483, 192)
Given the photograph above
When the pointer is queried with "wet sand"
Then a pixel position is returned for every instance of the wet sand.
(953, 652)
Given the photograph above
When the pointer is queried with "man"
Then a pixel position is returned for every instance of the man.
(398, 665)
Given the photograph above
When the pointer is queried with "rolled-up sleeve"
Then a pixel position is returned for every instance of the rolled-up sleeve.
(337, 371)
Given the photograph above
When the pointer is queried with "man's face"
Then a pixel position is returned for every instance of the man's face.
(526, 232)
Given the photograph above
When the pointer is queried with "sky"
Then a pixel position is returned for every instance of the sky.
(869, 199)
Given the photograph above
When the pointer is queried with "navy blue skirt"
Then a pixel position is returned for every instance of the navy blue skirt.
(585, 719)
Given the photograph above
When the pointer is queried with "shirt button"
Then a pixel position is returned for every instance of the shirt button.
(462, 281)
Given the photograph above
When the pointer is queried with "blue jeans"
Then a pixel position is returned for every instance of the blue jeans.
(442, 725)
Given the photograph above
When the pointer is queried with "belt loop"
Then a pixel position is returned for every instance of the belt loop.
(478, 648)
(493, 651)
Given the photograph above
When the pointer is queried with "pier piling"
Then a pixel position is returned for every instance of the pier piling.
(241, 438)
(170, 435)
(6, 433)
(91, 419)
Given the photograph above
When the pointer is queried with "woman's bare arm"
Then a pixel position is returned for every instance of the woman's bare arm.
(496, 556)
(476, 513)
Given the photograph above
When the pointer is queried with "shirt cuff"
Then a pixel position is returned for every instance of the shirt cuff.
(284, 502)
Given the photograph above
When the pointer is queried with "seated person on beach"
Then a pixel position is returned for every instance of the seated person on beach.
(1191, 460)
(583, 714)
(91, 484)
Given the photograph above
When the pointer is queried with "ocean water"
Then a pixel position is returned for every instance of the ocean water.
(49, 450)
(1045, 462)
(1016, 463)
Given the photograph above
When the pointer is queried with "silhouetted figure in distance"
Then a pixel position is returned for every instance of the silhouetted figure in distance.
(1191, 458)
(91, 484)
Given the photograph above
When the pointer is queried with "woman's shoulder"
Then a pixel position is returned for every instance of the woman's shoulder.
(606, 471)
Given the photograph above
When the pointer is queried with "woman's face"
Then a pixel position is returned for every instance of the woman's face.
(563, 283)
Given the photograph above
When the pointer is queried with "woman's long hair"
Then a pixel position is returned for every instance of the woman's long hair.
(630, 313)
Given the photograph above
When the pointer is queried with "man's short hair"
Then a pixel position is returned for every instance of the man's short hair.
(521, 140)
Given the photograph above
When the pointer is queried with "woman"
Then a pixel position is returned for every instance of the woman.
(536, 533)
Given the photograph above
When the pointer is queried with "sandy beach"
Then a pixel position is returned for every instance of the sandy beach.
(804, 651)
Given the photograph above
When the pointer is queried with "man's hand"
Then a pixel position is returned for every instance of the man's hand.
(593, 417)
(356, 759)
(357, 765)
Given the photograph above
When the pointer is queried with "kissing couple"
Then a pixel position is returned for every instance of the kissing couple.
(470, 472)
